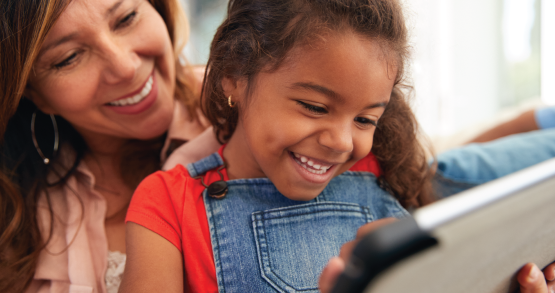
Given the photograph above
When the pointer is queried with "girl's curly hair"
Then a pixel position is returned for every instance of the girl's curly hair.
(258, 34)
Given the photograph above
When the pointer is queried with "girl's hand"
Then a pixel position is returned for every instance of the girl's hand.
(532, 280)
(336, 265)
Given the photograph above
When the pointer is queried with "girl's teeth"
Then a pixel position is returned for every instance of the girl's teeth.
(310, 165)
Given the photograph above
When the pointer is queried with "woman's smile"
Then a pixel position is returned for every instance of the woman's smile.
(108, 68)
(137, 101)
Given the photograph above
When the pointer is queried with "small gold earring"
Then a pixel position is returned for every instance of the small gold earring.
(231, 104)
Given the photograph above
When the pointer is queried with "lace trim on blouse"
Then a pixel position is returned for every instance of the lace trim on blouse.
(114, 272)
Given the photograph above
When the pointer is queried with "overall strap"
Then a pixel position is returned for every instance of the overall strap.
(200, 167)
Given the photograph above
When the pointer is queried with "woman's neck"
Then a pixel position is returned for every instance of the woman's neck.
(103, 145)
(103, 159)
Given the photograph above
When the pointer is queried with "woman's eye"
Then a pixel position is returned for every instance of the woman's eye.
(126, 20)
(66, 61)
(312, 108)
(366, 121)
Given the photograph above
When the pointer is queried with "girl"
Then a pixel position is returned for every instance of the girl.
(300, 91)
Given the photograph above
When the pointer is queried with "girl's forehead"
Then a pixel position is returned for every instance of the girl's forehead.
(344, 66)
(321, 47)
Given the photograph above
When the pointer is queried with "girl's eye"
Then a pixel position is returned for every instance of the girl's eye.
(366, 121)
(68, 61)
(126, 20)
(312, 108)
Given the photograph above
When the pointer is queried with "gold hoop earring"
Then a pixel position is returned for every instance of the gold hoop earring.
(56, 137)
(230, 103)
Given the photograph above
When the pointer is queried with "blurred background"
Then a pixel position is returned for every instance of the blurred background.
(475, 63)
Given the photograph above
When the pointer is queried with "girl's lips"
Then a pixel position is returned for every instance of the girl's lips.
(311, 169)
(139, 101)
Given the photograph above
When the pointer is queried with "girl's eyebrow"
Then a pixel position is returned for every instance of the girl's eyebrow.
(329, 93)
(317, 88)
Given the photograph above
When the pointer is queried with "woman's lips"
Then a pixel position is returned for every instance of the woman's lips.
(139, 101)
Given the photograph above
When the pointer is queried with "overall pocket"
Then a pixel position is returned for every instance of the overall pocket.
(295, 243)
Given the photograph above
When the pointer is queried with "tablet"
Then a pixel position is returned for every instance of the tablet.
(475, 241)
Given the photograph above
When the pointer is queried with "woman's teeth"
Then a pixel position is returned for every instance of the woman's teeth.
(136, 98)
(309, 165)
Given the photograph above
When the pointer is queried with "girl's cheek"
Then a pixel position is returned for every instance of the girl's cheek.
(363, 146)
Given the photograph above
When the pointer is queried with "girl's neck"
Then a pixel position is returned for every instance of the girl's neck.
(238, 159)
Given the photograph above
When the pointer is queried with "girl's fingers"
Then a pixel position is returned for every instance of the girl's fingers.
(330, 273)
(549, 273)
(367, 228)
(336, 265)
(531, 279)
(346, 250)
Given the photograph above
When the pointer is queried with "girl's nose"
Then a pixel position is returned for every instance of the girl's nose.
(338, 137)
(121, 62)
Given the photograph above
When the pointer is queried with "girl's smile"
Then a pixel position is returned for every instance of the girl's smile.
(312, 118)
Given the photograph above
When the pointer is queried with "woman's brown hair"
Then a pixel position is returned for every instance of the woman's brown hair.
(24, 25)
(258, 34)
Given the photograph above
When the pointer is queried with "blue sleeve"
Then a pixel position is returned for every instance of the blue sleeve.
(475, 164)
(545, 117)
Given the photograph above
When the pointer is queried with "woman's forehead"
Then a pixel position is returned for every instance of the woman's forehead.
(83, 16)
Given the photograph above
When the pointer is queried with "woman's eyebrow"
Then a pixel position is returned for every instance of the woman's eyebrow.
(114, 7)
(73, 35)
(58, 42)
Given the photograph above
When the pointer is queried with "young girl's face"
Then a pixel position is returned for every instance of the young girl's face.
(313, 118)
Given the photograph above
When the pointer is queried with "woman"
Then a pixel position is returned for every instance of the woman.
(89, 91)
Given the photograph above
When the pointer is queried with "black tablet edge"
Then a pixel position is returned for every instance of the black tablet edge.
(379, 250)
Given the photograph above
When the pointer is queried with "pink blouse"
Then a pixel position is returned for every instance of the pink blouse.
(75, 259)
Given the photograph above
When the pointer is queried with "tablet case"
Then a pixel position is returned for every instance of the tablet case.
(475, 241)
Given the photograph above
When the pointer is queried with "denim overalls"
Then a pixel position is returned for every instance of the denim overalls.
(265, 242)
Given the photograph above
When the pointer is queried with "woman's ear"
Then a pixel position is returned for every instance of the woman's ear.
(38, 100)
(236, 88)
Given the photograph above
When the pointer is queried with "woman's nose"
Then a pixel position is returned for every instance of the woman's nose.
(337, 137)
(121, 62)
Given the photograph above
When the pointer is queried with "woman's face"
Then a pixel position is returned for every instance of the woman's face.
(107, 67)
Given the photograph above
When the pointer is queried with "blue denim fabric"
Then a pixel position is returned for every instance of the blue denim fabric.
(474, 164)
(545, 117)
(265, 242)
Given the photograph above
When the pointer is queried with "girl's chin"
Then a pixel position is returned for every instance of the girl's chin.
(301, 195)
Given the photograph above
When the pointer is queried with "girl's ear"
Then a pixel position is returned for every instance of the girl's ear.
(38, 100)
(236, 88)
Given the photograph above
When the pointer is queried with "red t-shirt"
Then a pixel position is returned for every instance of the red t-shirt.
(170, 203)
